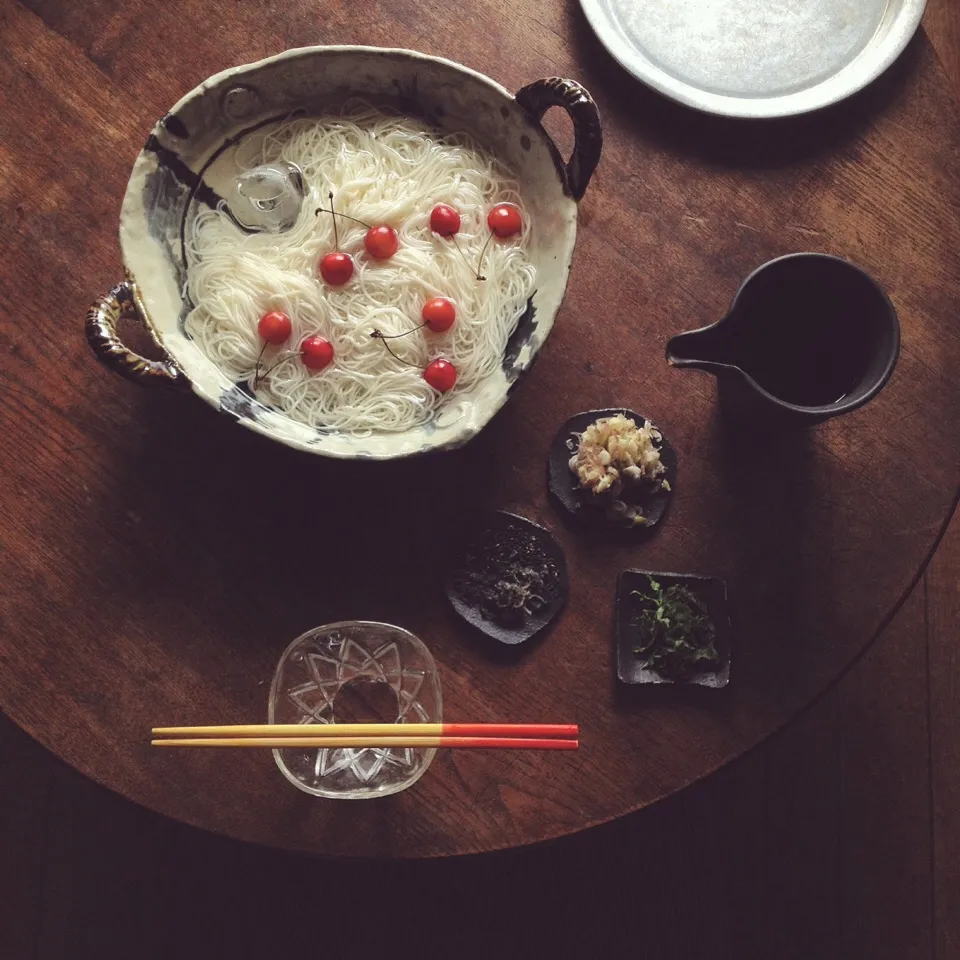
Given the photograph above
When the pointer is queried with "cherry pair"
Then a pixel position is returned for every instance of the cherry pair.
(316, 352)
(275, 328)
(381, 242)
(504, 220)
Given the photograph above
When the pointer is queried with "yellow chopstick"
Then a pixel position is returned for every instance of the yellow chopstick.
(324, 743)
(324, 730)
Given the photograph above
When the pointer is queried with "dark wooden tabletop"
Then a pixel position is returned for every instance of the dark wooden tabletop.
(151, 575)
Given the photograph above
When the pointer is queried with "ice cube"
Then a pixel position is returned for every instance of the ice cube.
(268, 198)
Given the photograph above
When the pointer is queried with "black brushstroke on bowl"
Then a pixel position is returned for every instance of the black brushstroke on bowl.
(522, 333)
(175, 126)
(240, 402)
(168, 159)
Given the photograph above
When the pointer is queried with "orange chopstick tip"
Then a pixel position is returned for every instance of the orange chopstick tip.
(538, 730)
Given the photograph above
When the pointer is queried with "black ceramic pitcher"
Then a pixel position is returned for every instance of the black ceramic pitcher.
(807, 337)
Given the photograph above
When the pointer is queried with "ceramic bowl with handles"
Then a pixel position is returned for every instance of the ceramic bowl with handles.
(170, 179)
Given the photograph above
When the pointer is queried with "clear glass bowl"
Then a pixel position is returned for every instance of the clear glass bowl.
(350, 672)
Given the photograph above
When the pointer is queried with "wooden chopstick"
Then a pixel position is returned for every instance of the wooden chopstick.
(323, 743)
(303, 730)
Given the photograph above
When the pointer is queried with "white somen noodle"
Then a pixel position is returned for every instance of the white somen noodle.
(381, 169)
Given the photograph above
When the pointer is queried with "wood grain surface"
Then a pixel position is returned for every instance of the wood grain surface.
(941, 23)
(943, 582)
(153, 576)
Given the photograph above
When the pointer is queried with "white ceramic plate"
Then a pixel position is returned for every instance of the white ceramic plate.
(755, 58)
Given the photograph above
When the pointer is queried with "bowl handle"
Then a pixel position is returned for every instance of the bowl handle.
(101, 330)
(538, 97)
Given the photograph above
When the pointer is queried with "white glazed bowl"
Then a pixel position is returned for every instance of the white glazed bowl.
(168, 179)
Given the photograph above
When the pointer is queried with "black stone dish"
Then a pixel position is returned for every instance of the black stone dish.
(713, 590)
(564, 490)
(496, 556)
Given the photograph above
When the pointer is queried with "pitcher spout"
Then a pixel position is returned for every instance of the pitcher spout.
(701, 349)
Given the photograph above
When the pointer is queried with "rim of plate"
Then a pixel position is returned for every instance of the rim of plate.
(875, 58)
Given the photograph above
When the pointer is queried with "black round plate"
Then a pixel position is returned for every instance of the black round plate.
(497, 548)
(563, 485)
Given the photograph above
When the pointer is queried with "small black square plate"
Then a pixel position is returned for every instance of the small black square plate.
(712, 590)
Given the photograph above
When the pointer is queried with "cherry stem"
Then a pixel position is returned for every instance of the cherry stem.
(462, 254)
(377, 335)
(346, 216)
(256, 368)
(266, 373)
(333, 213)
(483, 253)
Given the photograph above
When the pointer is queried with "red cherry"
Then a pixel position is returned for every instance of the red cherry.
(505, 220)
(316, 353)
(441, 375)
(274, 327)
(444, 220)
(336, 268)
(381, 242)
(439, 314)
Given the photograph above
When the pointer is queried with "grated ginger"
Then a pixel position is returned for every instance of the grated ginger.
(614, 452)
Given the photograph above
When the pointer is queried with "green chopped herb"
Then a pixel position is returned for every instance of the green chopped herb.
(677, 637)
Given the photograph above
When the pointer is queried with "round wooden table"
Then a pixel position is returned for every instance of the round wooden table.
(156, 558)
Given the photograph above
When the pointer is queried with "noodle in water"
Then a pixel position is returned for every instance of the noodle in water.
(381, 169)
